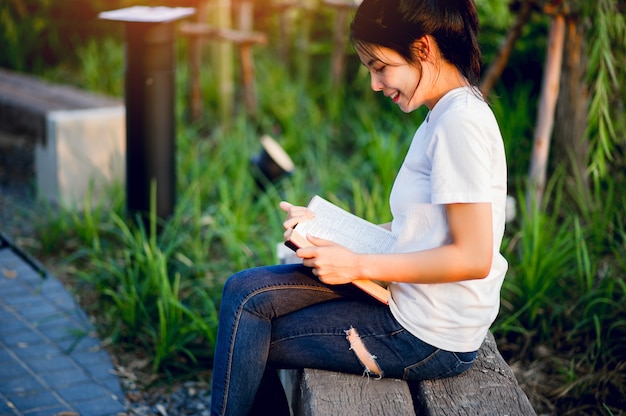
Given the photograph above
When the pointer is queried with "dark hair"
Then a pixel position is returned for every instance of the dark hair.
(397, 24)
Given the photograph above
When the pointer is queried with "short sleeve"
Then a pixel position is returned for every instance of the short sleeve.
(460, 155)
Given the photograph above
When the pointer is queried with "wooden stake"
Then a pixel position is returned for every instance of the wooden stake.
(245, 54)
(222, 59)
(244, 42)
(303, 40)
(195, 63)
(284, 27)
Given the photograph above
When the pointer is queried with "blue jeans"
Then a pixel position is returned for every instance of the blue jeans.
(283, 317)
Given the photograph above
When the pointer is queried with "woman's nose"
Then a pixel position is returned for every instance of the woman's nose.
(376, 83)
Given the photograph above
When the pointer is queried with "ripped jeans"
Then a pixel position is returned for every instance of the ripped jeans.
(282, 317)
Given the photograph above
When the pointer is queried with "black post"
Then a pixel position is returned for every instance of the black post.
(150, 105)
(150, 119)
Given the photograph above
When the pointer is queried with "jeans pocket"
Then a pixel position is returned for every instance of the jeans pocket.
(440, 364)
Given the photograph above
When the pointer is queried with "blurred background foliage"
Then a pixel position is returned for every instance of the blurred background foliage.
(562, 324)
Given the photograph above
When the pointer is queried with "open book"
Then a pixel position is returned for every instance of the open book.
(340, 226)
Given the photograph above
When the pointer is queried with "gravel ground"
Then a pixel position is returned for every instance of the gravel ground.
(191, 398)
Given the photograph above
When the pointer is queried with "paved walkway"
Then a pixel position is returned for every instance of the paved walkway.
(51, 361)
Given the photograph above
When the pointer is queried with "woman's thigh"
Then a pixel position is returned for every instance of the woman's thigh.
(271, 291)
(358, 336)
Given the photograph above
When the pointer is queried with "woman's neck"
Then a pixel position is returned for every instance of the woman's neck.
(448, 78)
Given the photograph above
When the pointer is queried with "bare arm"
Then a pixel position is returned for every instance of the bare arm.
(468, 256)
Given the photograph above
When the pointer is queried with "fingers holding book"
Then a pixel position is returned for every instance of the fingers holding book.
(295, 214)
(332, 263)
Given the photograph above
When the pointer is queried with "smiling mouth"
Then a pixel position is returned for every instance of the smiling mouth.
(394, 97)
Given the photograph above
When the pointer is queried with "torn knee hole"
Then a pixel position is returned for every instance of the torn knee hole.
(365, 357)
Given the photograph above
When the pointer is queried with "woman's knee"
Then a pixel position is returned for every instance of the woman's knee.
(238, 282)
(250, 283)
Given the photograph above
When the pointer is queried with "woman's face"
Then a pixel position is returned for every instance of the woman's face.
(396, 78)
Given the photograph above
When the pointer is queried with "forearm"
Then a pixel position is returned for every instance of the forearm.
(439, 265)
(468, 256)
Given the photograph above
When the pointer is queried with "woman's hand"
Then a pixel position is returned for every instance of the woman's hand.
(332, 263)
(295, 214)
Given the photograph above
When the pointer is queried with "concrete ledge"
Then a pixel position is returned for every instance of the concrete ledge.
(26, 100)
(488, 388)
(77, 137)
(82, 154)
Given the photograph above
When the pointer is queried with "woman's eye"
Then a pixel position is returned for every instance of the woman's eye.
(379, 69)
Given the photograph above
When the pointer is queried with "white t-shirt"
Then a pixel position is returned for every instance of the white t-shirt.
(456, 156)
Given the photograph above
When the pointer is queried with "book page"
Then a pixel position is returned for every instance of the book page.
(342, 227)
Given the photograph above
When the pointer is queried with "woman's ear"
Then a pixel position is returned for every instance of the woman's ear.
(422, 47)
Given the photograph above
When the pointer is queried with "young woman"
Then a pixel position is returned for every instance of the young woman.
(447, 203)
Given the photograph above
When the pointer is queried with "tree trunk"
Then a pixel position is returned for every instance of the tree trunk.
(494, 71)
(545, 116)
(571, 148)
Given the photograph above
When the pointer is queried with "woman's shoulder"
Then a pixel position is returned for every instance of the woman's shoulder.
(464, 117)
(461, 105)
(463, 98)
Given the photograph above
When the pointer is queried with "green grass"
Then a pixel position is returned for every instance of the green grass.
(160, 291)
